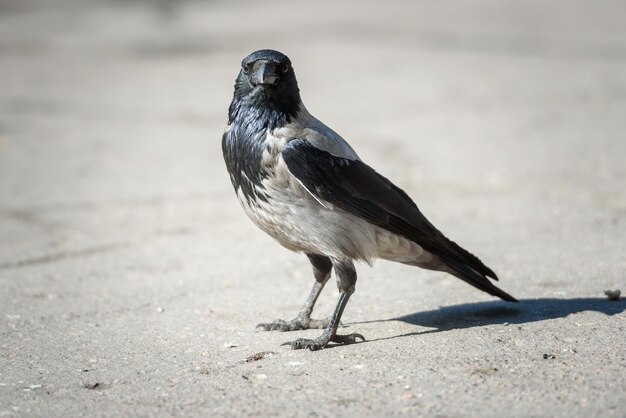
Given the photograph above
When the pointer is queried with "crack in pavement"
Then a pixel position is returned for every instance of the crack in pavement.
(31, 218)
(62, 255)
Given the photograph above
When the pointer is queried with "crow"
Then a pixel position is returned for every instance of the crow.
(306, 187)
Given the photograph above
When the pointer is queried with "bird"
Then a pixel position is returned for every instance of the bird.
(305, 186)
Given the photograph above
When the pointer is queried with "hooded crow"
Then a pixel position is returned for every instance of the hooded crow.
(306, 187)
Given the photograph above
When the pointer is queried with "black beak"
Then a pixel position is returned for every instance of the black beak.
(266, 74)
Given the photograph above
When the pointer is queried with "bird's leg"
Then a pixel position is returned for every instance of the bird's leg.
(322, 267)
(346, 280)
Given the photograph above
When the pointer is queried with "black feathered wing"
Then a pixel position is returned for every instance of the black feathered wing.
(356, 188)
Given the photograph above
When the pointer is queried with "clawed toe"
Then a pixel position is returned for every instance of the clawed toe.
(347, 339)
(302, 343)
(322, 341)
(293, 325)
(278, 325)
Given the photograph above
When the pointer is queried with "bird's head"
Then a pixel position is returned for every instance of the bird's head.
(267, 80)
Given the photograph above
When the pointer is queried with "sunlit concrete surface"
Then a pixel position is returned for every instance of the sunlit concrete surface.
(131, 280)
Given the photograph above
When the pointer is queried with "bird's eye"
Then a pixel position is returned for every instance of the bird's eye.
(284, 68)
(245, 66)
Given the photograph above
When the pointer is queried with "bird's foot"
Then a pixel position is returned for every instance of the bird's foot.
(300, 322)
(323, 340)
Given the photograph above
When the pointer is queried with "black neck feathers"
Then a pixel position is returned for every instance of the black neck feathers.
(256, 109)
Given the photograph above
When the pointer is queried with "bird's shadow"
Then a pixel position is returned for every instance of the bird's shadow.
(479, 314)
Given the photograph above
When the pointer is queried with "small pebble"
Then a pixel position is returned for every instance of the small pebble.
(258, 356)
(613, 294)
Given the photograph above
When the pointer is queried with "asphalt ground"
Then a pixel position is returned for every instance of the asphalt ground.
(131, 281)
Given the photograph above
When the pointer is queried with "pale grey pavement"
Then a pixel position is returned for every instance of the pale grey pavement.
(131, 281)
